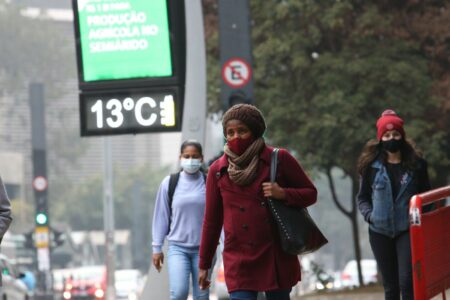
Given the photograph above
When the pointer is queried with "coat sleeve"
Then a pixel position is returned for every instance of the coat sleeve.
(299, 189)
(212, 221)
(5, 210)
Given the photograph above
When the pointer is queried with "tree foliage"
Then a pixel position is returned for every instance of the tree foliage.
(326, 72)
(82, 204)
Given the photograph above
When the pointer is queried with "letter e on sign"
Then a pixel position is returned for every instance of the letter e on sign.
(236, 73)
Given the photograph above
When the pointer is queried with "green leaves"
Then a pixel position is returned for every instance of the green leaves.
(324, 73)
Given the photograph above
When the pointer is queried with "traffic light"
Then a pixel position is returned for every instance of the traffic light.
(29, 240)
(41, 218)
(58, 238)
(41, 214)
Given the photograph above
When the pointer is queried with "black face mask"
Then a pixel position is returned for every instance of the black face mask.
(392, 145)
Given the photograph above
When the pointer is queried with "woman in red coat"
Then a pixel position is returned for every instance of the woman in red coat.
(237, 189)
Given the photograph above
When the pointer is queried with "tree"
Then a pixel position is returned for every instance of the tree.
(134, 196)
(210, 11)
(86, 200)
(325, 71)
(427, 23)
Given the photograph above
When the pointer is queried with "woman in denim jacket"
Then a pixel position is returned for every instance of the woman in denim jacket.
(392, 171)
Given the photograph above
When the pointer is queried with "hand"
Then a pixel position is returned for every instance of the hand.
(158, 261)
(273, 190)
(203, 280)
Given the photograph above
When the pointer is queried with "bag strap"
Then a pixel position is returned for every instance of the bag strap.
(173, 181)
(273, 164)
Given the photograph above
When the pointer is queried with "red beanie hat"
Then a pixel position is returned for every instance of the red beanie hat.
(389, 121)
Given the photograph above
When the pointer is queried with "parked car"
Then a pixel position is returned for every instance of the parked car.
(86, 283)
(13, 288)
(349, 276)
(128, 284)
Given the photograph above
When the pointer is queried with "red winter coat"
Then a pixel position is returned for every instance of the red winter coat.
(252, 255)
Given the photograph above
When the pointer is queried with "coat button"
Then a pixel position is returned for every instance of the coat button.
(245, 226)
(263, 203)
(241, 208)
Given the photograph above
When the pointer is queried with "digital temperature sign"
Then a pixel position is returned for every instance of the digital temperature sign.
(131, 57)
(138, 110)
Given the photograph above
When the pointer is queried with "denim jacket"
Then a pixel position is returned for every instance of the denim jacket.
(390, 217)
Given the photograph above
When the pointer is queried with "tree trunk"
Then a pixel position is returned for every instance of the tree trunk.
(355, 229)
(352, 215)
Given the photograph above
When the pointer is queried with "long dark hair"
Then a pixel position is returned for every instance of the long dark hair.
(373, 150)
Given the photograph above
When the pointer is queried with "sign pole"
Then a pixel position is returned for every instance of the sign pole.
(42, 229)
(108, 215)
(235, 53)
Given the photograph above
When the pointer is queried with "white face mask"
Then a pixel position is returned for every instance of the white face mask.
(191, 165)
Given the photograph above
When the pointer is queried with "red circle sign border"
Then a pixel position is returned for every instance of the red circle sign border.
(227, 63)
(40, 189)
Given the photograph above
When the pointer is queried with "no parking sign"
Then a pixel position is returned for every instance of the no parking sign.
(236, 73)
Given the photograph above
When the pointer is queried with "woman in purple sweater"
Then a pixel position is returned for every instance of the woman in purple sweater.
(180, 221)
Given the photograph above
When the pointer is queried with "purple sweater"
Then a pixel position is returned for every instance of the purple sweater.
(186, 217)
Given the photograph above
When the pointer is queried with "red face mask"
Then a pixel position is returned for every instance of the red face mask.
(238, 145)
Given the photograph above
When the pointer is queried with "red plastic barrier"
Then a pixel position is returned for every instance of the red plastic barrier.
(430, 244)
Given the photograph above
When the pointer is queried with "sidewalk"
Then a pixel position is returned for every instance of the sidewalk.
(366, 293)
(361, 296)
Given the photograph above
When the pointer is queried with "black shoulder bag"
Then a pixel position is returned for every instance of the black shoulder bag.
(298, 232)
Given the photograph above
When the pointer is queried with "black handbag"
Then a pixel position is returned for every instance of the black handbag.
(298, 232)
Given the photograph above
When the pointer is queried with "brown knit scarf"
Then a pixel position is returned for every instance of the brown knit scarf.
(243, 169)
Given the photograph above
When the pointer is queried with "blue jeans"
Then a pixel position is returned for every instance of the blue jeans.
(182, 263)
(252, 295)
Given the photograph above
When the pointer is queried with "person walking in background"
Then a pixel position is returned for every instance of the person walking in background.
(5, 213)
(392, 171)
(178, 216)
(238, 186)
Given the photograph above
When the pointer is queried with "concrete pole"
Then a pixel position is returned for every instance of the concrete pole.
(194, 114)
(194, 117)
